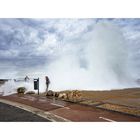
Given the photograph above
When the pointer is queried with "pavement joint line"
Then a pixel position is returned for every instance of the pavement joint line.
(107, 119)
(66, 120)
(66, 107)
(57, 105)
(47, 115)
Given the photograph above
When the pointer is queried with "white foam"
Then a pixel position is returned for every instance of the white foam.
(99, 61)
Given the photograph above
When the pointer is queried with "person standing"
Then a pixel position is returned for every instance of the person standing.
(47, 83)
(26, 79)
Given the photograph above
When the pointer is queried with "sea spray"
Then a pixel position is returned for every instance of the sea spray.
(98, 62)
(11, 86)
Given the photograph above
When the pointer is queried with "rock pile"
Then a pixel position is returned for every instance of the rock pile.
(68, 95)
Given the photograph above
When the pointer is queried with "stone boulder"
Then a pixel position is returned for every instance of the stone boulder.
(30, 92)
(21, 90)
(62, 95)
(50, 93)
(56, 94)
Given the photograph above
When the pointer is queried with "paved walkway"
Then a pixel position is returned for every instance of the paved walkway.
(58, 110)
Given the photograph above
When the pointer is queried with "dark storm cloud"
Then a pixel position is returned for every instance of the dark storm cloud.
(18, 40)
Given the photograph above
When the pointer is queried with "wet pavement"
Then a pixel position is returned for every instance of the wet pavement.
(91, 114)
(71, 111)
(43, 103)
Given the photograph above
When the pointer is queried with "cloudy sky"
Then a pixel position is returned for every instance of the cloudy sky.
(29, 46)
(30, 43)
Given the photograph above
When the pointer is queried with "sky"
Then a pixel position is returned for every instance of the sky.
(30, 46)
(30, 43)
